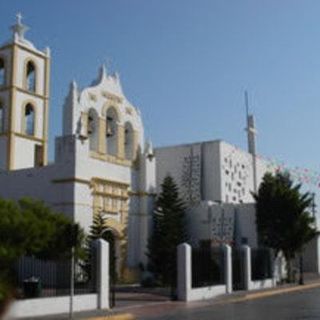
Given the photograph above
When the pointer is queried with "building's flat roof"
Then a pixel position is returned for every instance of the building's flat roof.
(189, 144)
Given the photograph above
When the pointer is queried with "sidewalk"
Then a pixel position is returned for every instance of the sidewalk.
(149, 309)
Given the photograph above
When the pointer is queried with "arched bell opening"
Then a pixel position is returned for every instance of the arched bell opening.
(112, 134)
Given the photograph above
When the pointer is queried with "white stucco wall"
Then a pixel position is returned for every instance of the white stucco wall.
(211, 162)
(24, 153)
(49, 306)
(37, 183)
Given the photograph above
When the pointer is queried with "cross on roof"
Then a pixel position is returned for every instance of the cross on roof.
(19, 28)
(19, 17)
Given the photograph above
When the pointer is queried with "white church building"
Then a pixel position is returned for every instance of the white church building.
(102, 162)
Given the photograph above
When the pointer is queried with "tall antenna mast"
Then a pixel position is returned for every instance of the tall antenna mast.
(251, 135)
(246, 101)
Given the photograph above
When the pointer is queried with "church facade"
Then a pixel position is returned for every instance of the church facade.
(102, 163)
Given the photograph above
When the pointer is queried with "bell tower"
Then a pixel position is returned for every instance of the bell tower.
(24, 102)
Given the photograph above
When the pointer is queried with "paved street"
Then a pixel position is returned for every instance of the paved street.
(300, 305)
(297, 303)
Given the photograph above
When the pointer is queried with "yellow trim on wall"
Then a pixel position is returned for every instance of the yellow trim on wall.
(11, 110)
(102, 135)
(120, 141)
(46, 87)
(108, 181)
(36, 95)
(111, 159)
(33, 138)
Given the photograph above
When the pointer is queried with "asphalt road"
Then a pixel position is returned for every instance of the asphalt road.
(299, 305)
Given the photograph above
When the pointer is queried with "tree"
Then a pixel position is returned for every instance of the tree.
(28, 227)
(169, 230)
(283, 220)
(100, 230)
(51, 231)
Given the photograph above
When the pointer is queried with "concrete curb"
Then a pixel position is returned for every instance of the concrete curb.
(258, 295)
(122, 316)
(247, 297)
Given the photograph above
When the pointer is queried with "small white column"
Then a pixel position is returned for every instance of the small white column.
(247, 266)
(228, 268)
(103, 283)
(184, 271)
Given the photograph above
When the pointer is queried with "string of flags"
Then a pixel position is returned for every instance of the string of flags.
(299, 174)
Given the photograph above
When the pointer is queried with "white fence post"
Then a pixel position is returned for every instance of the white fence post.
(247, 267)
(184, 271)
(228, 267)
(103, 278)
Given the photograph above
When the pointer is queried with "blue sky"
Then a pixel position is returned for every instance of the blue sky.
(186, 64)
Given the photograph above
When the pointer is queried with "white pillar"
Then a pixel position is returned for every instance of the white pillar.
(103, 283)
(247, 266)
(228, 268)
(184, 271)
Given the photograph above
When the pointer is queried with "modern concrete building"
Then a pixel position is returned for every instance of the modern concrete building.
(211, 171)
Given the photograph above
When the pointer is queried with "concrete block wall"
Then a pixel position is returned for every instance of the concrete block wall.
(184, 285)
(249, 284)
(57, 305)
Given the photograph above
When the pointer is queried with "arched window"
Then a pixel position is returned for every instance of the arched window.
(31, 76)
(29, 119)
(1, 118)
(2, 73)
(128, 141)
(112, 132)
(93, 132)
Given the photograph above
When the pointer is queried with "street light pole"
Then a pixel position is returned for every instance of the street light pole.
(71, 284)
(210, 222)
(73, 240)
(222, 231)
(301, 278)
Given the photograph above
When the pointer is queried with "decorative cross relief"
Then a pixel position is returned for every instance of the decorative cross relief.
(223, 228)
(191, 177)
